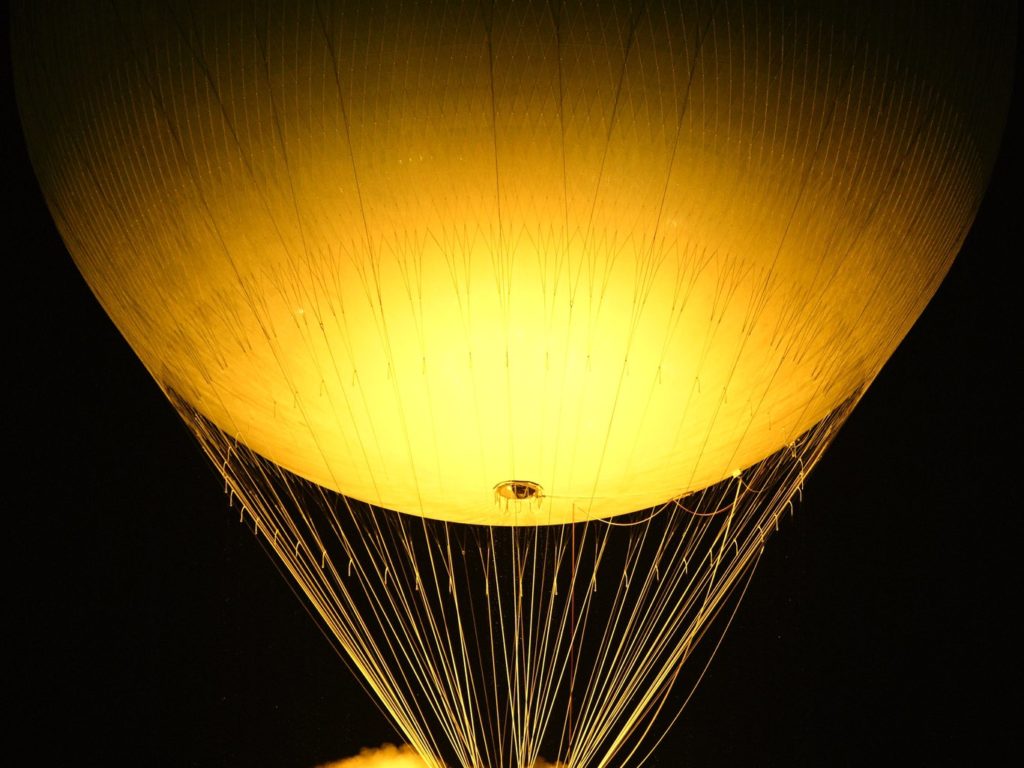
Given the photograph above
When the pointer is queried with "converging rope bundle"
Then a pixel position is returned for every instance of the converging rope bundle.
(493, 646)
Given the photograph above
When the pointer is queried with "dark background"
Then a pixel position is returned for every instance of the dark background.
(149, 628)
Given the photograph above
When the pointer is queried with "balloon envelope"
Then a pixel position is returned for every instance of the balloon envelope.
(430, 255)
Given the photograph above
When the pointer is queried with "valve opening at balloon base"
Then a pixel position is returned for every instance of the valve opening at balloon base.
(518, 490)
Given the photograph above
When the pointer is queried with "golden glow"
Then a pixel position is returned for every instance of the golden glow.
(399, 757)
(620, 256)
(386, 756)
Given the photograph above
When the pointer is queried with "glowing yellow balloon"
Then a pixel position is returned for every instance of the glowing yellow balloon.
(500, 267)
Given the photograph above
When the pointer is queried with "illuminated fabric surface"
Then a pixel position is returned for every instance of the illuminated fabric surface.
(410, 251)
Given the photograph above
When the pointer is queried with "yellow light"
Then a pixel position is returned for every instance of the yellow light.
(611, 257)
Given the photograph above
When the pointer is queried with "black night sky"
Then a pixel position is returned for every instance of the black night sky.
(149, 627)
